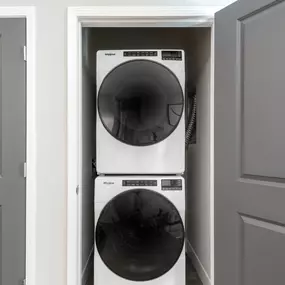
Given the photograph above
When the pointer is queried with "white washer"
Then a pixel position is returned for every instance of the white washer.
(140, 112)
(139, 231)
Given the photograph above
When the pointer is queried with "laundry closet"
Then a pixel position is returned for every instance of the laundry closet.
(193, 45)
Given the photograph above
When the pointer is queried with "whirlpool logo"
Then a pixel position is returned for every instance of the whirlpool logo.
(108, 183)
(110, 53)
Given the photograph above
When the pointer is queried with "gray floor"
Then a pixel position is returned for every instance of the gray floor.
(191, 275)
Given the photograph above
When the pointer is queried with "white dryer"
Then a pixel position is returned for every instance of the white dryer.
(140, 112)
(139, 231)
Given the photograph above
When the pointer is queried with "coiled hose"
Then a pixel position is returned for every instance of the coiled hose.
(191, 124)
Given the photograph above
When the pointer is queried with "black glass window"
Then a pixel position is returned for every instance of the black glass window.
(139, 235)
(140, 102)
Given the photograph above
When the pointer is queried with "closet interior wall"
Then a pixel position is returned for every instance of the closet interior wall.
(198, 163)
(197, 45)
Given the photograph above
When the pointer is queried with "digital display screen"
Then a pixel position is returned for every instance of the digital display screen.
(171, 55)
(171, 184)
(167, 53)
(166, 183)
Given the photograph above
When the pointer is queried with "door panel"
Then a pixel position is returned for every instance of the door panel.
(261, 67)
(250, 143)
(263, 261)
(12, 151)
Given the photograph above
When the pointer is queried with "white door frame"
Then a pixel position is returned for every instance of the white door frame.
(106, 16)
(28, 12)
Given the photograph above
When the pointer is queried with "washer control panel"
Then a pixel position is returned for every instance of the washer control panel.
(140, 53)
(171, 184)
(171, 55)
(142, 183)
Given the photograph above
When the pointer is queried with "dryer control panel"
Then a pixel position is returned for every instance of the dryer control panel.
(171, 55)
(171, 184)
(140, 53)
(143, 183)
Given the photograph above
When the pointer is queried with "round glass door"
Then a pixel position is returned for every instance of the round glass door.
(140, 102)
(139, 235)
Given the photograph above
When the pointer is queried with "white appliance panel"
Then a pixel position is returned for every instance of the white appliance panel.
(106, 188)
(116, 157)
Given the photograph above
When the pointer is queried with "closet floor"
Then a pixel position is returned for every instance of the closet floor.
(192, 277)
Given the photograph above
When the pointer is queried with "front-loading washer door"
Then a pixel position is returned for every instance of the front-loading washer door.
(140, 102)
(139, 235)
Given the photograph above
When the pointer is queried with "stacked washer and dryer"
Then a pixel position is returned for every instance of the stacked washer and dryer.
(140, 153)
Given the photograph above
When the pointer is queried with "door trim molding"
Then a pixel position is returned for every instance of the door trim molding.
(29, 13)
(106, 16)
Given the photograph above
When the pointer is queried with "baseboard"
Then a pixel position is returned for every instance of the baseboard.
(88, 268)
(197, 264)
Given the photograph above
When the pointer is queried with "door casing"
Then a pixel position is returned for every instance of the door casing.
(28, 12)
(133, 16)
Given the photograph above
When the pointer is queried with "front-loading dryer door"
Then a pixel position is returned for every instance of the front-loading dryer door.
(140, 102)
(139, 235)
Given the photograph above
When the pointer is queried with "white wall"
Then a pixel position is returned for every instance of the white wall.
(198, 162)
(51, 126)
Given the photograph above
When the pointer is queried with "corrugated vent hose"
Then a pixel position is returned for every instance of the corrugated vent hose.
(191, 122)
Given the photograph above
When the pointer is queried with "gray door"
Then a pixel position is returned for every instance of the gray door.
(12, 151)
(250, 143)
